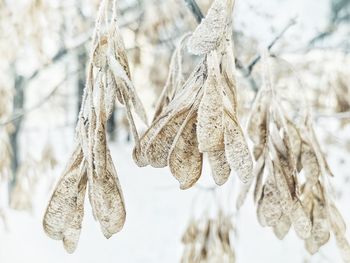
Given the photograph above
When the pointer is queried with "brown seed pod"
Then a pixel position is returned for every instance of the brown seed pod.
(237, 152)
(185, 160)
(219, 166)
(62, 219)
(209, 33)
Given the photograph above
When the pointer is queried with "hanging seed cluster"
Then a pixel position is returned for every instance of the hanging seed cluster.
(209, 240)
(91, 165)
(291, 187)
(201, 117)
(316, 195)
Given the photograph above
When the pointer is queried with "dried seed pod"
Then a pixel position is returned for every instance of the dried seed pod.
(269, 203)
(310, 164)
(99, 58)
(336, 219)
(62, 219)
(166, 126)
(190, 234)
(320, 232)
(282, 227)
(236, 148)
(185, 160)
(260, 213)
(209, 32)
(220, 168)
(107, 199)
(208, 240)
(73, 226)
(344, 247)
(210, 116)
(295, 139)
(259, 173)
(301, 222)
(286, 200)
(158, 149)
(257, 126)
(110, 93)
(139, 154)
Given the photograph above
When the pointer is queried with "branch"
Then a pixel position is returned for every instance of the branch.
(269, 47)
(59, 55)
(246, 70)
(338, 115)
(24, 112)
(196, 11)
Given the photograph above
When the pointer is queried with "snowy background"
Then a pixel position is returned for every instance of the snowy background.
(157, 210)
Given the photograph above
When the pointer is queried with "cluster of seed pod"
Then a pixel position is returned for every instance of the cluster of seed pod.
(201, 118)
(291, 176)
(276, 188)
(91, 163)
(208, 240)
(316, 196)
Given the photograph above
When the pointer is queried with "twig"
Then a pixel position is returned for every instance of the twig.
(196, 11)
(246, 70)
(61, 53)
(24, 112)
(272, 43)
(337, 115)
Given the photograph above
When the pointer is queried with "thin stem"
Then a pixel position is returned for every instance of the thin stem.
(272, 43)
(24, 112)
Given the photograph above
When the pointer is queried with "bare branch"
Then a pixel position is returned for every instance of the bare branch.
(337, 115)
(270, 46)
(246, 70)
(196, 11)
(38, 104)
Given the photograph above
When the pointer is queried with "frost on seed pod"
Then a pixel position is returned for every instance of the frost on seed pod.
(210, 31)
(91, 164)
